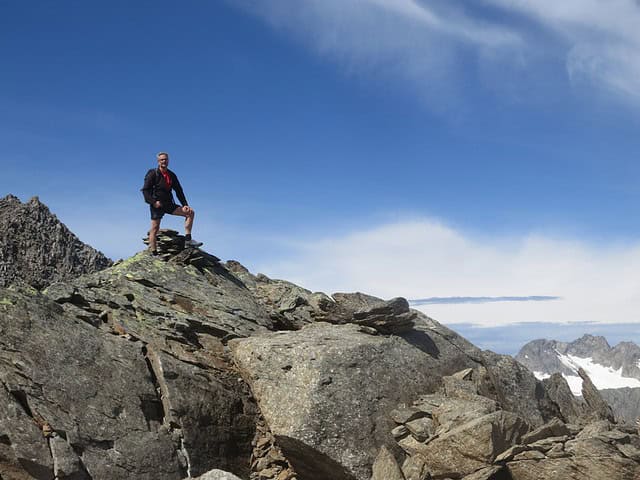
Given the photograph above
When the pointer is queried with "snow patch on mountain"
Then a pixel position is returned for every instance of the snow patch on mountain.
(601, 376)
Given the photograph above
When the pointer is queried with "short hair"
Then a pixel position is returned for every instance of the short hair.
(162, 153)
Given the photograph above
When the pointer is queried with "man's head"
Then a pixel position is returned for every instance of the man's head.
(163, 160)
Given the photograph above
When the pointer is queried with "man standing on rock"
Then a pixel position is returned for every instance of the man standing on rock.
(158, 183)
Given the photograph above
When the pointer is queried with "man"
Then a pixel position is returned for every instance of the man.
(158, 183)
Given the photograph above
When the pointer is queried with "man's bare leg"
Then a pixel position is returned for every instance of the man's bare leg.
(188, 222)
(189, 215)
(153, 234)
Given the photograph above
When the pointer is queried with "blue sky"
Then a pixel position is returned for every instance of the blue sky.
(398, 147)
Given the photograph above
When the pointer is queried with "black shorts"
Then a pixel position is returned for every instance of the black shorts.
(158, 213)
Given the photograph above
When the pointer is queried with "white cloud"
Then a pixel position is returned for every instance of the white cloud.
(424, 258)
(428, 43)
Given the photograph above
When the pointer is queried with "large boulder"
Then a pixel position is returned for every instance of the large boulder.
(326, 390)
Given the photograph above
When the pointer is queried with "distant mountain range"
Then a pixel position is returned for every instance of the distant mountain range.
(615, 371)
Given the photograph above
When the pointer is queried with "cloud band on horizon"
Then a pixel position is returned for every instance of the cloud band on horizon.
(461, 300)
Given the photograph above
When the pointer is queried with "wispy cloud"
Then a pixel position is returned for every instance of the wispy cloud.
(601, 38)
(430, 44)
(596, 283)
(420, 43)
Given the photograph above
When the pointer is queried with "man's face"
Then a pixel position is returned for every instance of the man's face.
(163, 162)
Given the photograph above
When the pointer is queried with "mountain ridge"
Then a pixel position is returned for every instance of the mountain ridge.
(179, 366)
(615, 371)
(38, 249)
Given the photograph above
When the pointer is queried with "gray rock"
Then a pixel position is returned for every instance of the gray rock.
(66, 463)
(456, 412)
(487, 473)
(571, 408)
(168, 400)
(594, 429)
(37, 249)
(339, 385)
(473, 445)
(574, 468)
(630, 451)
(288, 306)
(170, 303)
(510, 453)
(421, 428)
(391, 317)
(216, 475)
(24, 453)
(385, 467)
(625, 403)
(406, 414)
(516, 389)
(400, 431)
(598, 408)
(529, 455)
(415, 468)
(585, 457)
(90, 387)
(554, 428)
(557, 451)
(545, 444)
(354, 302)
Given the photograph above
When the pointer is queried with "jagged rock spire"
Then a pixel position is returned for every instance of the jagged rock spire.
(37, 249)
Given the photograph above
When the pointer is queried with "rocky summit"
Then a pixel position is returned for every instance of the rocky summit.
(181, 366)
(36, 248)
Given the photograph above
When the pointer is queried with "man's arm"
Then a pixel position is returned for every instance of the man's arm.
(147, 188)
(178, 188)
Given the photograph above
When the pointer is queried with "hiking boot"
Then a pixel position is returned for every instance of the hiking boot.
(192, 243)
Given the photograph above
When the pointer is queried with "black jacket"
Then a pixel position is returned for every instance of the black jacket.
(155, 188)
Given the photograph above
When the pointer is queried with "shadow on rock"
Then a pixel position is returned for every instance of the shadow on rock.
(422, 341)
(310, 464)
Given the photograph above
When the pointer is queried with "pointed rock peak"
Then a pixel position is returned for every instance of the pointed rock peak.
(36, 248)
(593, 341)
(10, 199)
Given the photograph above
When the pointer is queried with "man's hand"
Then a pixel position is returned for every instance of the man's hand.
(187, 209)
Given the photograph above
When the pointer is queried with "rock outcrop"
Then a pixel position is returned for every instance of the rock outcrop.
(625, 403)
(37, 249)
(325, 391)
(469, 436)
